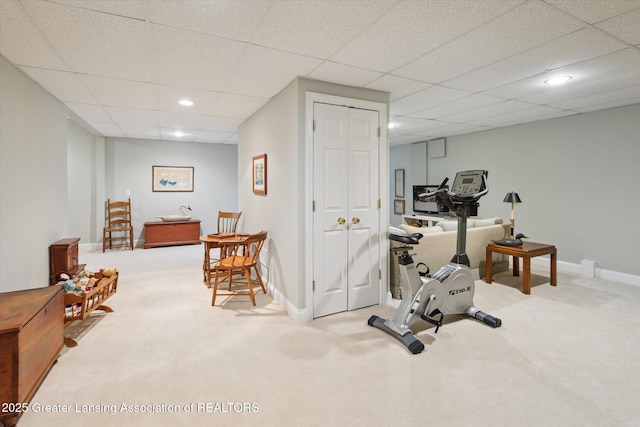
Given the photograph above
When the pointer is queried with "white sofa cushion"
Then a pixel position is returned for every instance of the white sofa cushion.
(488, 221)
(422, 230)
(448, 225)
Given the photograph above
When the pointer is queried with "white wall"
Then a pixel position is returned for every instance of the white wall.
(83, 154)
(413, 159)
(577, 176)
(129, 165)
(274, 131)
(33, 179)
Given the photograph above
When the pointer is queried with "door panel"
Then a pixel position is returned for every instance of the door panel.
(331, 141)
(346, 217)
(364, 256)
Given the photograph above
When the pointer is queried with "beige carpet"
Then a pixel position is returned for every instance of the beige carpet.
(565, 356)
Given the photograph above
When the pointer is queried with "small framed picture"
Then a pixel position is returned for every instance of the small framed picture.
(399, 183)
(259, 166)
(398, 207)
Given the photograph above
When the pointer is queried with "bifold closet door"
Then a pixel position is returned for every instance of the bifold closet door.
(346, 216)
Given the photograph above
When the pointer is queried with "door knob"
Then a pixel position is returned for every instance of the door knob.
(341, 220)
(355, 220)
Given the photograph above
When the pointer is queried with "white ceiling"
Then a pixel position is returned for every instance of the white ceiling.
(451, 66)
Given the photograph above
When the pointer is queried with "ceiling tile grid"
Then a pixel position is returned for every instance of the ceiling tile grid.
(450, 67)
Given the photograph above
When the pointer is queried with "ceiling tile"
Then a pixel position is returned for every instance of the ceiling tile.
(174, 120)
(237, 106)
(619, 97)
(428, 98)
(593, 11)
(236, 20)
(534, 89)
(107, 129)
(185, 135)
(523, 116)
(224, 124)
(625, 27)
(213, 136)
(522, 28)
(167, 98)
(130, 8)
(404, 124)
(277, 70)
(579, 46)
(143, 132)
(187, 59)
(21, 43)
(95, 43)
(412, 28)
(460, 105)
(398, 87)
(475, 116)
(130, 116)
(120, 93)
(334, 23)
(233, 139)
(90, 113)
(343, 74)
(61, 84)
(402, 139)
(612, 104)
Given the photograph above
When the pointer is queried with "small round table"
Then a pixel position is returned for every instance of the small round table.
(212, 241)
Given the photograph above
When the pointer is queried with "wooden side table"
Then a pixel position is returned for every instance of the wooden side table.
(527, 251)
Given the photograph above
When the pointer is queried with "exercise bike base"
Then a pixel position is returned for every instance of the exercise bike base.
(414, 345)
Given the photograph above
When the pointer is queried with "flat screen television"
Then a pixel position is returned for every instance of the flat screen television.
(427, 207)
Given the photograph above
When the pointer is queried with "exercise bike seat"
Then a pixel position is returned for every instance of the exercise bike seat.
(407, 239)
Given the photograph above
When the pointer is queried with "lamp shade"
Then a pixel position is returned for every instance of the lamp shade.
(512, 197)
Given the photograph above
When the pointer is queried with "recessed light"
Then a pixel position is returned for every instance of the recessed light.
(558, 80)
(179, 134)
(185, 102)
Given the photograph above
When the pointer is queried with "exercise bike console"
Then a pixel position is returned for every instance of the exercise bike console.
(451, 289)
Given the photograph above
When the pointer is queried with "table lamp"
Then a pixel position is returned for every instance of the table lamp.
(513, 198)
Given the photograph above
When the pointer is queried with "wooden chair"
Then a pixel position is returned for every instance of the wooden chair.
(118, 228)
(227, 223)
(240, 255)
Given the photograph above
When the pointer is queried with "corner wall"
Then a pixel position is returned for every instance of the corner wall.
(279, 130)
(33, 179)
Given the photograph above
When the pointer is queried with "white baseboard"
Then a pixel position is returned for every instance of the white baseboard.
(298, 315)
(597, 272)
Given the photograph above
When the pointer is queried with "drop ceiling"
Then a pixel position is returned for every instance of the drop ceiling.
(451, 66)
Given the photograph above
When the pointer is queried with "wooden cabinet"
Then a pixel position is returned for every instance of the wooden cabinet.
(31, 337)
(63, 256)
(170, 233)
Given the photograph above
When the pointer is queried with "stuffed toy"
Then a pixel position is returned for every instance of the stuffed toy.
(108, 272)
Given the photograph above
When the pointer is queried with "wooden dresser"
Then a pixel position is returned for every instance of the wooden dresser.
(63, 256)
(170, 233)
(31, 337)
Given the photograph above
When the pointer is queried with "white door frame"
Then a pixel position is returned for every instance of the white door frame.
(383, 176)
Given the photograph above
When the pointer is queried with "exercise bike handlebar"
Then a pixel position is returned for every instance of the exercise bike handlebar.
(449, 196)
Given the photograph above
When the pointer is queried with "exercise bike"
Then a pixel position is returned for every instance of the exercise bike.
(451, 289)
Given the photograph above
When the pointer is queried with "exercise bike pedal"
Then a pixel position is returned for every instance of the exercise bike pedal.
(429, 318)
